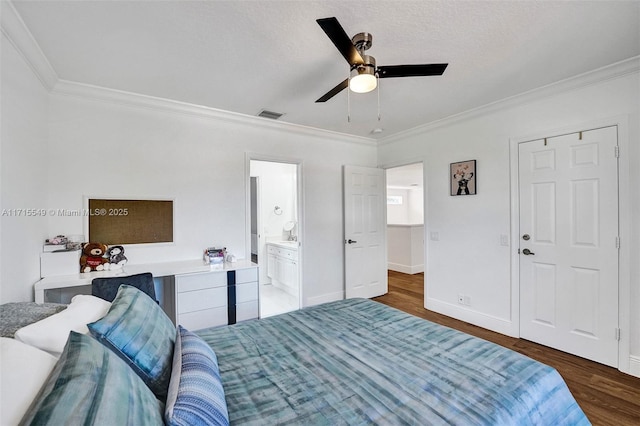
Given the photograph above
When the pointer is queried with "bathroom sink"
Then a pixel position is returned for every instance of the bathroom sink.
(287, 244)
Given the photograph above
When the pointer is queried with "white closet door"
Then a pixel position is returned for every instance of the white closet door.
(569, 243)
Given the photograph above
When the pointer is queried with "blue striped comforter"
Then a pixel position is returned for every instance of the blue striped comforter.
(357, 362)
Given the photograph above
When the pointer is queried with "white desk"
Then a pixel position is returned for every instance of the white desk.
(182, 274)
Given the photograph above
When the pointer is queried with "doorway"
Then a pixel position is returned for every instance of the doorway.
(275, 237)
(405, 218)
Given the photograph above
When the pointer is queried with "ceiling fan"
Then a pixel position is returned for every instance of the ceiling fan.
(364, 72)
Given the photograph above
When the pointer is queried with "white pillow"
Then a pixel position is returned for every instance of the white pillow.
(23, 371)
(51, 333)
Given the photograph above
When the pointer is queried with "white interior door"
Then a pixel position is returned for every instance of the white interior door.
(569, 243)
(364, 232)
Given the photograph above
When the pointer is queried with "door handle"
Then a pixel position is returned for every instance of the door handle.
(527, 252)
(350, 241)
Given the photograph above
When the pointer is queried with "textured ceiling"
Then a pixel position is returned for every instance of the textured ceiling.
(245, 56)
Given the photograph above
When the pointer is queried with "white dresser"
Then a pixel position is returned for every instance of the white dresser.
(201, 299)
(246, 294)
(216, 298)
(197, 295)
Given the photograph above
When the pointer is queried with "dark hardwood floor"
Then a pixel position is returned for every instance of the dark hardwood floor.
(607, 396)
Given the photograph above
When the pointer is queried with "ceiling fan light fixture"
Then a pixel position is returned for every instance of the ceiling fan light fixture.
(362, 83)
(363, 77)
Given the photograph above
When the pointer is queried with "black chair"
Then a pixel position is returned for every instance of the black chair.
(107, 288)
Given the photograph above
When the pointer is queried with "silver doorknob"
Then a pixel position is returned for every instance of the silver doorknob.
(527, 252)
(350, 241)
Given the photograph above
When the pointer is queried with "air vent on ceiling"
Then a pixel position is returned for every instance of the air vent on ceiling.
(270, 114)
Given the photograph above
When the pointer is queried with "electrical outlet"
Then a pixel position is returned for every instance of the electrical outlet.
(467, 300)
(461, 299)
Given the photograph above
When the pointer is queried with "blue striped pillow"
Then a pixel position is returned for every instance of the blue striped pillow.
(90, 385)
(140, 333)
(195, 395)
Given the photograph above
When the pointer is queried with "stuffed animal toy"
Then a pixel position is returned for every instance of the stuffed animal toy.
(92, 258)
(117, 259)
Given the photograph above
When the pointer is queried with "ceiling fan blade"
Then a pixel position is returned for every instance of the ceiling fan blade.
(331, 93)
(418, 70)
(339, 37)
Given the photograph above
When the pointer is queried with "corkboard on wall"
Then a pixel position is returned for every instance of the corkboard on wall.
(130, 221)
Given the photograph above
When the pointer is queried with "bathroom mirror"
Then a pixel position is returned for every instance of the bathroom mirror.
(288, 226)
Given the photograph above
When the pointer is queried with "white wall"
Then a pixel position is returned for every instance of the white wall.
(114, 150)
(411, 211)
(24, 166)
(416, 205)
(405, 248)
(398, 213)
(468, 257)
(277, 188)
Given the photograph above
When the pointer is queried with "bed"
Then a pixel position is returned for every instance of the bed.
(350, 362)
(357, 362)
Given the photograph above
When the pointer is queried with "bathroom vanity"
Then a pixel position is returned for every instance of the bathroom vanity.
(282, 266)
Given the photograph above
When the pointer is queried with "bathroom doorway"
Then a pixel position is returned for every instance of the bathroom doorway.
(275, 236)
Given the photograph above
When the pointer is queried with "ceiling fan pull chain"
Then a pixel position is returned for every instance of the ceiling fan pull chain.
(378, 86)
(348, 107)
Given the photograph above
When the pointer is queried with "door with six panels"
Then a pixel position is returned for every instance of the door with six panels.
(568, 195)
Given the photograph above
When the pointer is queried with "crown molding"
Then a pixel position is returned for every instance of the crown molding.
(609, 72)
(17, 33)
(14, 28)
(129, 99)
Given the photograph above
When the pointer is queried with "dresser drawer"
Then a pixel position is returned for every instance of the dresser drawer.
(246, 292)
(246, 275)
(247, 310)
(203, 319)
(193, 282)
(202, 299)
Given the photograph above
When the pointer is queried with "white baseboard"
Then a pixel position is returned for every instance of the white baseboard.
(634, 365)
(405, 269)
(330, 297)
(499, 325)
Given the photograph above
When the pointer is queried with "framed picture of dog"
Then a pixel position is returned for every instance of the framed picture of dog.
(463, 178)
